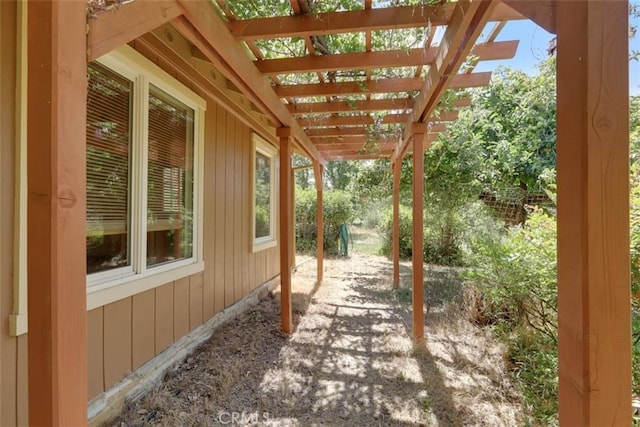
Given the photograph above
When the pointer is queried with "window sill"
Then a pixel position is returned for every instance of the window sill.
(262, 245)
(104, 294)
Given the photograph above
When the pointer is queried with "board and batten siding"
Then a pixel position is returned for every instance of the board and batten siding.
(13, 350)
(127, 333)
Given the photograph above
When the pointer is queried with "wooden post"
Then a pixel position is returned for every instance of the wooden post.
(593, 213)
(418, 232)
(397, 168)
(56, 254)
(318, 171)
(285, 229)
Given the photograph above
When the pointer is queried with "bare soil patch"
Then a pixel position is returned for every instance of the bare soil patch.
(350, 360)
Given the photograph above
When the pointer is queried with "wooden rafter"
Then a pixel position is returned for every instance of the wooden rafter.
(355, 156)
(352, 140)
(354, 21)
(355, 120)
(383, 59)
(467, 21)
(228, 53)
(345, 106)
(120, 25)
(377, 86)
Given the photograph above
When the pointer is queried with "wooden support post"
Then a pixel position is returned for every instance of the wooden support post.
(418, 232)
(285, 229)
(397, 168)
(593, 213)
(57, 78)
(318, 171)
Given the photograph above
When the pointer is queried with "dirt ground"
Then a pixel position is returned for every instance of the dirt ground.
(350, 360)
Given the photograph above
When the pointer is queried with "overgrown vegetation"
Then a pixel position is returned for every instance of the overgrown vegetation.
(337, 210)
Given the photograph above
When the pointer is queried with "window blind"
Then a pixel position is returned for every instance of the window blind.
(109, 100)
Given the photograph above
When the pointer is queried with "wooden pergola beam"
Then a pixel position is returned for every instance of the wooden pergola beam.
(343, 157)
(56, 235)
(380, 59)
(457, 81)
(354, 21)
(337, 132)
(318, 170)
(226, 51)
(286, 229)
(418, 131)
(347, 61)
(365, 105)
(346, 106)
(354, 120)
(340, 22)
(594, 324)
(358, 139)
(542, 12)
(170, 50)
(119, 25)
(397, 169)
(467, 21)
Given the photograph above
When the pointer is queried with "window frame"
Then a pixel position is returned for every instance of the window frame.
(260, 145)
(112, 285)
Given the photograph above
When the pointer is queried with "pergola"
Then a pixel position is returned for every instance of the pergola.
(332, 117)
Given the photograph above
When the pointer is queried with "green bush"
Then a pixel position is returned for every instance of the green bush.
(385, 228)
(337, 210)
(516, 290)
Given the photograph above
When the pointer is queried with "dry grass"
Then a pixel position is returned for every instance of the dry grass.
(350, 361)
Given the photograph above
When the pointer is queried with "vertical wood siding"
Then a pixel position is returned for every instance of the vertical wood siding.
(128, 333)
(155, 319)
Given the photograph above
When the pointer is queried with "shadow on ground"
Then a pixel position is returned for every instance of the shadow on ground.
(349, 361)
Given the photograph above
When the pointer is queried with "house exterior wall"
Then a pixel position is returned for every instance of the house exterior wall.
(127, 333)
(13, 350)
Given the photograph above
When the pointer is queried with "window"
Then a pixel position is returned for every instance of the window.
(264, 194)
(144, 181)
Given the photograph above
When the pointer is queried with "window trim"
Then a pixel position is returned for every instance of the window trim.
(18, 317)
(260, 145)
(110, 286)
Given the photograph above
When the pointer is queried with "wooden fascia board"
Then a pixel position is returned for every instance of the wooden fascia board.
(172, 47)
(341, 22)
(354, 21)
(383, 59)
(346, 106)
(542, 12)
(120, 25)
(376, 86)
(225, 49)
(467, 22)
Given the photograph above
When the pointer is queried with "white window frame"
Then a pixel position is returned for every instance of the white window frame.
(18, 316)
(109, 286)
(260, 145)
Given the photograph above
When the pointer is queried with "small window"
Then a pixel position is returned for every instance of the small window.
(144, 178)
(264, 194)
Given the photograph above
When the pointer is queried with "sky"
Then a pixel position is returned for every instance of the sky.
(533, 49)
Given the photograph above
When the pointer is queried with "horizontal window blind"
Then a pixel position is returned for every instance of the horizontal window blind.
(109, 101)
(170, 178)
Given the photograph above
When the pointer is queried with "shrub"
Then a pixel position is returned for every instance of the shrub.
(516, 289)
(337, 210)
(385, 228)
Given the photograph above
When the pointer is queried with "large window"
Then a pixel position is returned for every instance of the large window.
(144, 139)
(264, 194)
